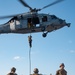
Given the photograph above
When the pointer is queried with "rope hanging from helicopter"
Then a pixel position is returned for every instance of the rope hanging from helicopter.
(30, 45)
(29, 61)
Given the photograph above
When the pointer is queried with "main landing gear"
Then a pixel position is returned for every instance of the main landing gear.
(44, 33)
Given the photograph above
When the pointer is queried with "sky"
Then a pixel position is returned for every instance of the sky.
(46, 53)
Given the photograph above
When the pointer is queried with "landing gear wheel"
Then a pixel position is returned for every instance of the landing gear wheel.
(44, 34)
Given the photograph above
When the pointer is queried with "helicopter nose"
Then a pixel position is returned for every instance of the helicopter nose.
(68, 24)
(64, 22)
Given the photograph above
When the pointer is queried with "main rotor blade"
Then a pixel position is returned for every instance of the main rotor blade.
(9, 16)
(55, 2)
(25, 4)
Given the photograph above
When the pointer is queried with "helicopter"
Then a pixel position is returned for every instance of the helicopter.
(32, 21)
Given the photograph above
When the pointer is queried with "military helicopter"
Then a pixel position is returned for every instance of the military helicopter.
(32, 21)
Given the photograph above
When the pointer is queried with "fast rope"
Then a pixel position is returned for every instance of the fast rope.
(30, 45)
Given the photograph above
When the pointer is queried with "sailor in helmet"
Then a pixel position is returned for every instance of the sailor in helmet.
(61, 71)
(12, 72)
(36, 72)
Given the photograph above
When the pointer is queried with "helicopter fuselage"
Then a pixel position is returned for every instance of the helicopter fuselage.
(33, 22)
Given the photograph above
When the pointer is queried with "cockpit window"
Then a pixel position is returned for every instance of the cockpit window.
(44, 19)
(53, 17)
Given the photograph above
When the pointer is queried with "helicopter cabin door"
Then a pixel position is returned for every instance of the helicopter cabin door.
(23, 23)
(33, 22)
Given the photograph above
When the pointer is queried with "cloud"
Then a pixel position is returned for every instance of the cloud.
(72, 51)
(17, 58)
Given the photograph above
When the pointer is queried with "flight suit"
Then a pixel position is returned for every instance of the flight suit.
(36, 74)
(11, 73)
(61, 72)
